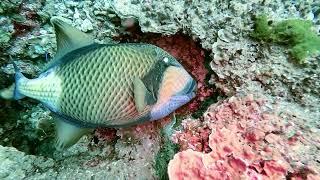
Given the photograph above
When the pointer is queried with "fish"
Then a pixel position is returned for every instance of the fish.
(89, 85)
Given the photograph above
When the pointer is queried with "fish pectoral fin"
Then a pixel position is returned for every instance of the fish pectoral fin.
(68, 134)
(142, 96)
(68, 38)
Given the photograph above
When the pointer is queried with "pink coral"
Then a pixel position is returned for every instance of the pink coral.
(191, 139)
(246, 142)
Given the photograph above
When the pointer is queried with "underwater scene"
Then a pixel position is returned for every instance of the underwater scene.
(160, 89)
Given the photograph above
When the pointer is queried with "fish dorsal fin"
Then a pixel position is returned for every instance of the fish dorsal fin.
(142, 96)
(67, 134)
(68, 38)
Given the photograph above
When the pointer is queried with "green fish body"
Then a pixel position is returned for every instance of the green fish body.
(91, 85)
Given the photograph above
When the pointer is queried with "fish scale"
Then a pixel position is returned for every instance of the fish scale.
(90, 101)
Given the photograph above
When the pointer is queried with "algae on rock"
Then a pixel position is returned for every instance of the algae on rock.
(4, 37)
(9, 5)
(167, 150)
(295, 33)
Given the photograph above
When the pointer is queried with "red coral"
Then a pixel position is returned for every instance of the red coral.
(104, 134)
(246, 142)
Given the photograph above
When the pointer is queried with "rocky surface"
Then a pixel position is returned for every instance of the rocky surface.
(122, 160)
(238, 65)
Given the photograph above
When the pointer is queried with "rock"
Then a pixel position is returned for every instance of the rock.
(15, 164)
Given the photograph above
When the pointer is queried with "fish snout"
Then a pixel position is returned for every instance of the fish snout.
(191, 87)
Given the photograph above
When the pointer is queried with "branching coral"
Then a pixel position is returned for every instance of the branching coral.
(246, 142)
(295, 33)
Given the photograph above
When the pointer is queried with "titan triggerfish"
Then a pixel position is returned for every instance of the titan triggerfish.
(89, 85)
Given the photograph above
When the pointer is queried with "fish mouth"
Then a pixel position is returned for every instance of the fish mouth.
(191, 87)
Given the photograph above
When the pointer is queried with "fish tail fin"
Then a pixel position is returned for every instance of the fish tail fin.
(19, 77)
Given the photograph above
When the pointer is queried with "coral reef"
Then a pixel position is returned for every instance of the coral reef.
(246, 141)
(237, 65)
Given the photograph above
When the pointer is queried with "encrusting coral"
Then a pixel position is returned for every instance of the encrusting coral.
(240, 139)
(296, 33)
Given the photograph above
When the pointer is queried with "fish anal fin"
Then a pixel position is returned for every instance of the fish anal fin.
(142, 96)
(68, 134)
(8, 93)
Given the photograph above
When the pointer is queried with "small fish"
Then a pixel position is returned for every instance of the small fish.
(89, 85)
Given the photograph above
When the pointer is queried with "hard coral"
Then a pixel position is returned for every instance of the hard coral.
(246, 142)
(295, 33)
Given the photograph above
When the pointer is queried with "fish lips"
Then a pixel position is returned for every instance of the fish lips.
(191, 87)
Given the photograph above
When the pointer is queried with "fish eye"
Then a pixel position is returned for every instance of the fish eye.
(171, 62)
